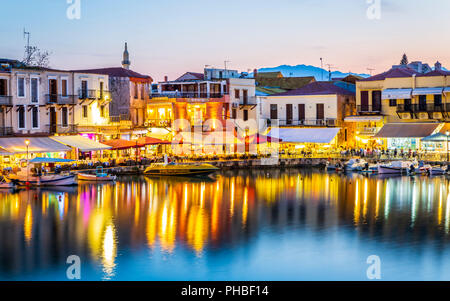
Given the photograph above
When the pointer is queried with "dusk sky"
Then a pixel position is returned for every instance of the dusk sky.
(173, 36)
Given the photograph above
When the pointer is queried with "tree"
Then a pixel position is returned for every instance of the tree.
(404, 60)
(36, 58)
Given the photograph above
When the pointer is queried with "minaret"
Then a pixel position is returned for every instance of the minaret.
(126, 58)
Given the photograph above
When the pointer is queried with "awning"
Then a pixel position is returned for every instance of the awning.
(16, 145)
(363, 118)
(82, 143)
(261, 139)
(407, 130)
(438, 137)
(396, 94)
(447, 90)
(51, 160)
(428, 91)
(305, 135)
(117, 144)
(151, 141)
(160, 133)
(214, 138)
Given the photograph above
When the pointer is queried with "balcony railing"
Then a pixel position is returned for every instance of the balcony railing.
(368, 131)
(404, 108)
(119, 118)
(366, 109)
(62, 129)
(249, 101)
(5, 100)
(6, 131)
(60, 99)
(159, 123)
(329, 122)
(429, 107)
(174, 94)
(94, 94)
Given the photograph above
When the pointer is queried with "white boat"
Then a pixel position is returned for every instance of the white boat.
(396, 167)
(438, 170)
(99, 176)
(355, 164)
(32, 176)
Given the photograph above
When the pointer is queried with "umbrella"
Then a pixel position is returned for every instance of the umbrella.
(143, 141)
(118, 144)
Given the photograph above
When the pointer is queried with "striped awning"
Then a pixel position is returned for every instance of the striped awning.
(428, 91)
(82, 143)
(396, 93)
(16, 145)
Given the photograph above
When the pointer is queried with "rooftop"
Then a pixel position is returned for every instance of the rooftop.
(115, 72)
(317, 88)
(285, 83)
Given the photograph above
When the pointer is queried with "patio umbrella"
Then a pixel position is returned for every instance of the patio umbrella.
(143, 141)
(118, 144)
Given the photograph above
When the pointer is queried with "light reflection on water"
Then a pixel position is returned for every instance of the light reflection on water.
(240, 225)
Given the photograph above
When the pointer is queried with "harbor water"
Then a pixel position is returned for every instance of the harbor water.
(287, 224)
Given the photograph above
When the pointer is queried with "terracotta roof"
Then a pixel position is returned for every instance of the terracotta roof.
(392, 73)
(195, 75)
(275, 74)
(435, 73)
(286, 83)
(317, 88)
(115, 72)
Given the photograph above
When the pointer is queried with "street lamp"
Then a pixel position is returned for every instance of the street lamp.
(447, 133)
(27, 142)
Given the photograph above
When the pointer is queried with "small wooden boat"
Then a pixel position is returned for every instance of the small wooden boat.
(179, 169)
(99, 176)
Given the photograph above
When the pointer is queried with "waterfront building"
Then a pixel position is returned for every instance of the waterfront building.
(403, 94)
(314, 114)
(269, 83)
(129, 92)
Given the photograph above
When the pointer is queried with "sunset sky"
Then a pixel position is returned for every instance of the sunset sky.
(173, 36)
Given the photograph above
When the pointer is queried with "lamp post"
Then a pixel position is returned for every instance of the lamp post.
(27, 142)
(446, 134)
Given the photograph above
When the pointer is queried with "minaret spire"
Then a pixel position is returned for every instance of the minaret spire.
(126, 58)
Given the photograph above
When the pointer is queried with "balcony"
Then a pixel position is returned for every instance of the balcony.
(368, 131)
(120, 118)
(5, 100)
(248, 101)
(62, 129)
(161, 123)
(329, 122)
(366, 109)
(94, 94)
(428, 108)
(174, 94)
(6, 131)
(52, 99)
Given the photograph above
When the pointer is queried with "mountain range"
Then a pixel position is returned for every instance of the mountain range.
(307, 70)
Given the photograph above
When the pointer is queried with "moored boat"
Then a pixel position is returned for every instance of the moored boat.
(396, 167)
(98, 176)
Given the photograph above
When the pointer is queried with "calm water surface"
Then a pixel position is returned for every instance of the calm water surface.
(240, 225)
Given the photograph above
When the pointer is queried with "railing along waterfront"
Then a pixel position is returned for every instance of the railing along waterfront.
(60, 99)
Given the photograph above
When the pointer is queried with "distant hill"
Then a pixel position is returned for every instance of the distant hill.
(305, 70)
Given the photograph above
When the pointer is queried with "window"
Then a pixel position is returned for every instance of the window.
(34, 90)
(142, 92)
(376, 101)
(273, 111)
(237, 93)
(21, 117)
(35, 117)
(3, 87)
(289, 114)
(102, 111)
(64, 87)
(21, 87)
(437, 100)
(85, 111)
(245, 115)
(392, 102)
(136, 91)
(64, 117)
(234, 113)
(101, 90)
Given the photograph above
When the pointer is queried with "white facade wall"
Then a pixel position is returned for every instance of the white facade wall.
(93, 108)
(242, 84)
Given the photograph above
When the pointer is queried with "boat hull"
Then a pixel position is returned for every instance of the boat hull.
(91, 177)
(53, 180)
(391, 170)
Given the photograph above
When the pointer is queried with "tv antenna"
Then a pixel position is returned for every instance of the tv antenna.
(321, 67)
(225, 62)
(26, 35)
(330, 66)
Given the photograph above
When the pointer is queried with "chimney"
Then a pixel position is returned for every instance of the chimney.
(437, 66)
(166, 78)
(255, 73)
